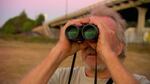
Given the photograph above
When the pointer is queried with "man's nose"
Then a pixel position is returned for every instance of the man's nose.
(84, 45)
(91, 44)
(88, 44)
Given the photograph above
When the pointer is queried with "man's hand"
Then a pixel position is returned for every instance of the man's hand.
(109, 47)
(108, 43)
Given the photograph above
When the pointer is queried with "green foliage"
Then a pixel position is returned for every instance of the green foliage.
(27, 26)
(9, 29)
(21, 23)
(40, 19)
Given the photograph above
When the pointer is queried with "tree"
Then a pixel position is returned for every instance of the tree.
(27, 26)
(40, 19)
(21, 23)
(9, 29)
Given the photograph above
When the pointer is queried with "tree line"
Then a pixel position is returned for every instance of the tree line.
(21, 24)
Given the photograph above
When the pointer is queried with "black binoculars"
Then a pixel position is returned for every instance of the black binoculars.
(81, 33)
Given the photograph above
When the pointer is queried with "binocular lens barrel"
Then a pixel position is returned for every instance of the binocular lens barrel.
(85, 32)
(72, 32)
(90, 32)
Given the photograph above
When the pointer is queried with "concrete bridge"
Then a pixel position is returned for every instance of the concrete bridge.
(135, 12)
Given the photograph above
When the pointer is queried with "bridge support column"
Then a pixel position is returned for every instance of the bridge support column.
(140, 24)
(46, 30)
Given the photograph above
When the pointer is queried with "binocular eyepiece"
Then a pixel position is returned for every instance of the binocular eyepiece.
(81, 33)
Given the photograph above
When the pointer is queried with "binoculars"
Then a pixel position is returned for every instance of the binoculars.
(81, 33)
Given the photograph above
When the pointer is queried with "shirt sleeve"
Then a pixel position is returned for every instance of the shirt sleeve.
(142, 79)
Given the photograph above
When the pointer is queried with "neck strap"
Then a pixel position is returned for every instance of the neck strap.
(110, 81)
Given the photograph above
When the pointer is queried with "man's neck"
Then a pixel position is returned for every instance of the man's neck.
(100, 74)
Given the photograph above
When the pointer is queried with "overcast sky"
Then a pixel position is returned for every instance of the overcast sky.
(51, 8)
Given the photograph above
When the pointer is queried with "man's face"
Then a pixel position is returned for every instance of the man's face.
(89, 56)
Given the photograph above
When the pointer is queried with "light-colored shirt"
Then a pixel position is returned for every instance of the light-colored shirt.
(61, 76)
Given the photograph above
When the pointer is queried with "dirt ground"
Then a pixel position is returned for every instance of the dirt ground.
(17, 58)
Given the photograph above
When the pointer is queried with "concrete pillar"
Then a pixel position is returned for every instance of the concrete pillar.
(46, 30)
(140, 24)
(141, 18)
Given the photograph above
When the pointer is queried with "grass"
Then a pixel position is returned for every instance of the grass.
(19, 57)
(142, 48)
(33, 39)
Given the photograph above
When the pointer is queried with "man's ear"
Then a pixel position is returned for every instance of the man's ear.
(119, 48)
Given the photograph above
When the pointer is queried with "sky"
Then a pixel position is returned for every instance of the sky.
(50, 8)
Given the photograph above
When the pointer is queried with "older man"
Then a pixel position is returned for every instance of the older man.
(108, 51)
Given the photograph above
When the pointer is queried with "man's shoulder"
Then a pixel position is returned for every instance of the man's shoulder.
(141, 78)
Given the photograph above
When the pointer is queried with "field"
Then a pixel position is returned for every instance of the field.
(17, 58)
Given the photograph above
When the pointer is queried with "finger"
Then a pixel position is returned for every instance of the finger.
(108, 23)
(74, 22)
(85, 20)
(93, 44)
(80, 21)
(77, 22)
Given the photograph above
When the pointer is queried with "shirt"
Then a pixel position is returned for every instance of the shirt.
(61, 76)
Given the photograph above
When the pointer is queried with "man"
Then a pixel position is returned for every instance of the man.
(108, 49)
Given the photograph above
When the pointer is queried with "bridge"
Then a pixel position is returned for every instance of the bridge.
(135, 12)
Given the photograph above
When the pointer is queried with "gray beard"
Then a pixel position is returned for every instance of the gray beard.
(100, 67)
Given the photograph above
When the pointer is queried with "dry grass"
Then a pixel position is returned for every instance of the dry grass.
(17, 58)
